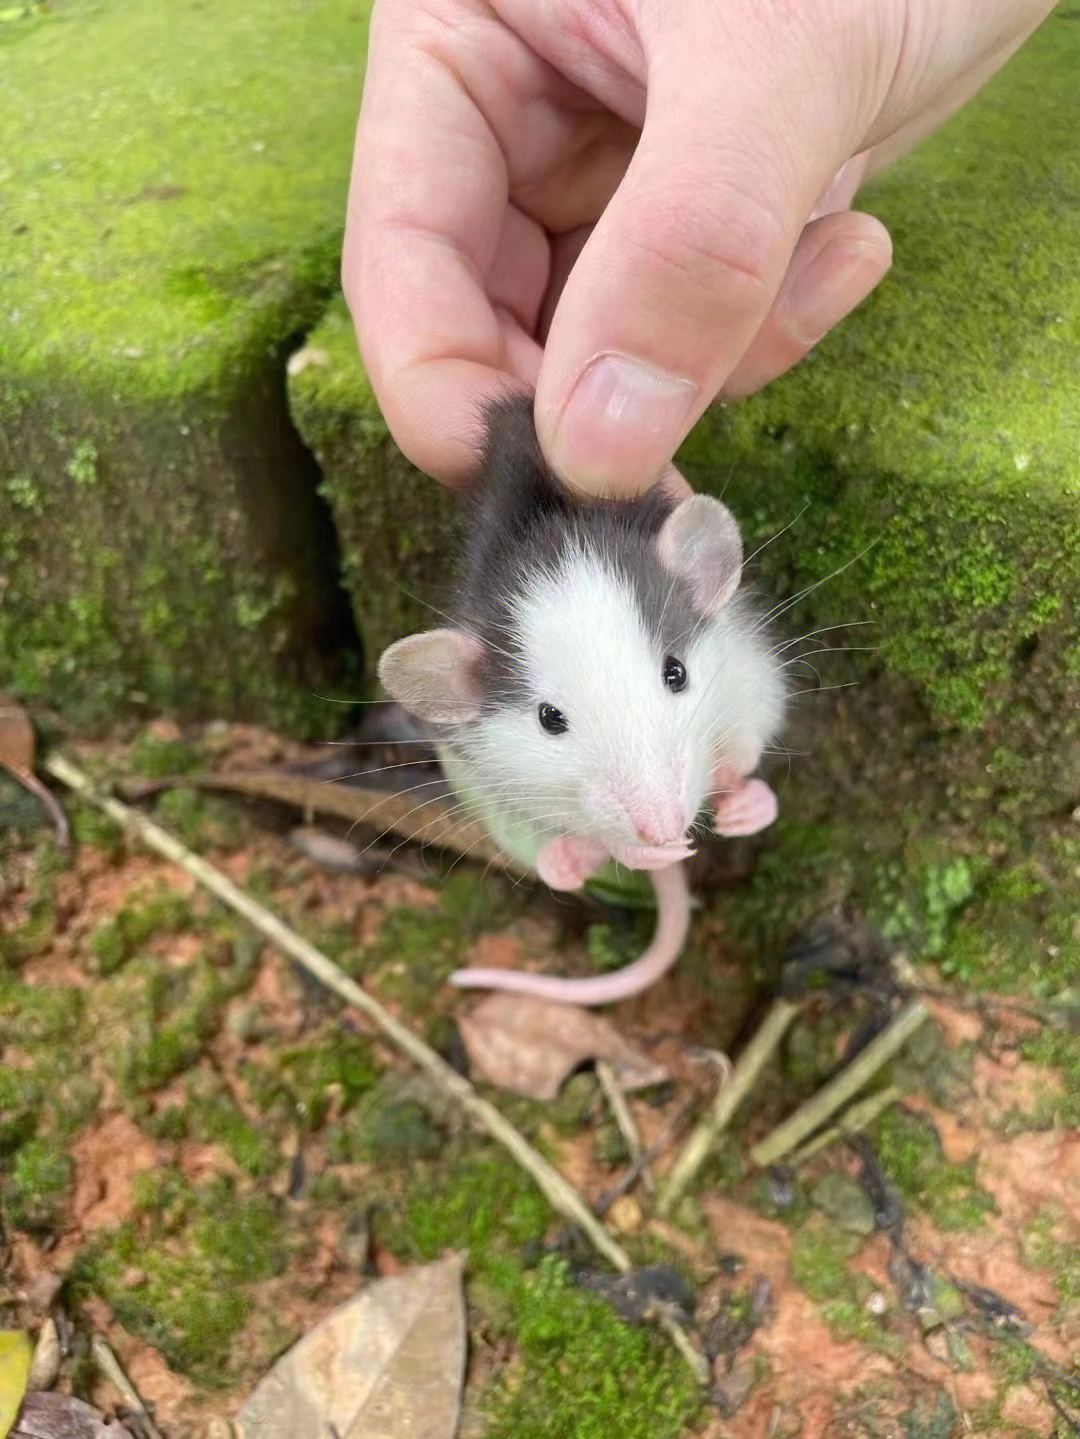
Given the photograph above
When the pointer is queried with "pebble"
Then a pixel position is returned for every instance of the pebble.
(45, 1365)
(625, 1215)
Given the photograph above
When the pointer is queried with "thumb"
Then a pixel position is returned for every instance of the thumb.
(684, 265)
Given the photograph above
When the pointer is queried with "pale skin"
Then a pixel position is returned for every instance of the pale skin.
(633, 207)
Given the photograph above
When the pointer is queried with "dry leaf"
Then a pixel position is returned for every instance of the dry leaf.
(16, 739)
(530, 1045)
(389, 1364)
(17, 757)
(59, 1416)
(15, 1354)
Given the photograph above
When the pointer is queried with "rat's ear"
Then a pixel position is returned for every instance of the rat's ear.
(435, 675)
(700, 542)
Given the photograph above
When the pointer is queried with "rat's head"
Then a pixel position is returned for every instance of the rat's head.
(614, 674)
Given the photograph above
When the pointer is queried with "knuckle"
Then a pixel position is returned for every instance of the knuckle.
(721, 241)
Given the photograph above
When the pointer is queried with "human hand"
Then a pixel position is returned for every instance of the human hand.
(632, 206)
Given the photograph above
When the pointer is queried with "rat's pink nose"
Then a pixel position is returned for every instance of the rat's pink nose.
(656, 826)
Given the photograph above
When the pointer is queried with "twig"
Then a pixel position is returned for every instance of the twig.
(838, 1091)
(620, 1112)
(728, 1098)
(562, 1195)
(855, 1118)
(109, 1365)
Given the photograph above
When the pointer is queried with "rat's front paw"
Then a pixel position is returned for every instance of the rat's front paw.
(567, 862)
(746, 806)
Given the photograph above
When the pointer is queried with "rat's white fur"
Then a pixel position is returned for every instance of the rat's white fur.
(635, 753)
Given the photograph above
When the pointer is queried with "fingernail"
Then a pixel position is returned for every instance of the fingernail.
(622, 423)
(834, 281)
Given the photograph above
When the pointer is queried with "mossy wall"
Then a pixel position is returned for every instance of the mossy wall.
(172, 187)
(396, 527)
(927, 455)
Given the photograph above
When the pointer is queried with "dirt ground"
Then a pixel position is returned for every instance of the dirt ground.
(201, 1154)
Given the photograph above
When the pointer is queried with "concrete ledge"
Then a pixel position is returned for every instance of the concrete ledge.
(172, 192)
(395, 526)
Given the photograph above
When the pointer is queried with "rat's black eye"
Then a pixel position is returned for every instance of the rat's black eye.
(552, 720)
(674, 673)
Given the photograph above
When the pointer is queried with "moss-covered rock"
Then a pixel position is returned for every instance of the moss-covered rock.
(172, 188)
(927, 456)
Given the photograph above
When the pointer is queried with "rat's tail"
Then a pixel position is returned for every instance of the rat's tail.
(672, 922)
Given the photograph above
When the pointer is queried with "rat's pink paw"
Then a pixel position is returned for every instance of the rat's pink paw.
(567, 862)
(745, 808)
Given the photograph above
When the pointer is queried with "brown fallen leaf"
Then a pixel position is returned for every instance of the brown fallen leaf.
(389, 1364)
(530, 1045)
(58, 1416)
(17, 757)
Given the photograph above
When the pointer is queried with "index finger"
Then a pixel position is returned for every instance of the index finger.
(428, 203)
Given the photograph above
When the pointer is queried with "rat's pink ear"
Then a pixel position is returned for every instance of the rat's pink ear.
(435, 675)
(700, 542)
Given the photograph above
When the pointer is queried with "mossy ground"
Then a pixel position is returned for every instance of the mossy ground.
(262, 1151)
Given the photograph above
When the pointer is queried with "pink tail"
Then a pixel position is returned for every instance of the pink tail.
(672, 922)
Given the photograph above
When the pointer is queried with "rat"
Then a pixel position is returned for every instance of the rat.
(598, 682)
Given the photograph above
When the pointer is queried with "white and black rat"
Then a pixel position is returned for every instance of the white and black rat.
(599, 682)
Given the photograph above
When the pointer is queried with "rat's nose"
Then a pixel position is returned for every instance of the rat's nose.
(658, 825)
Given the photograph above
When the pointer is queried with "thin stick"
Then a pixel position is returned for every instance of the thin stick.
(854, 1119)
(845, 1086)
(620, 1112)
(728, 1098)
(109, 1365)
(561, 1195)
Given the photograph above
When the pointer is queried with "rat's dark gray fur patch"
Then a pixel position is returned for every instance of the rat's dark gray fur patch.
(525, 522)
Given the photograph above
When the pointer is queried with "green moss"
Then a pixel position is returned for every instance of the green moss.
(218, 1117)
(37, 1186)
(930, 1418)
(583, 1373)
(298, 1086)
(479, 1202)
(113, 942)
(156, 758)
(201, 821)
(1019, 932)
(416, 948)
(396, 527)
(159, 529)
(910, 1154)
(20, 1101)
(37, 930)
(194, 1253)
(819, 1255)
(1062, 1260)
(99, 193)
(34, 1014)
(153, 1022)
(400, 1131)
(612, 945)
